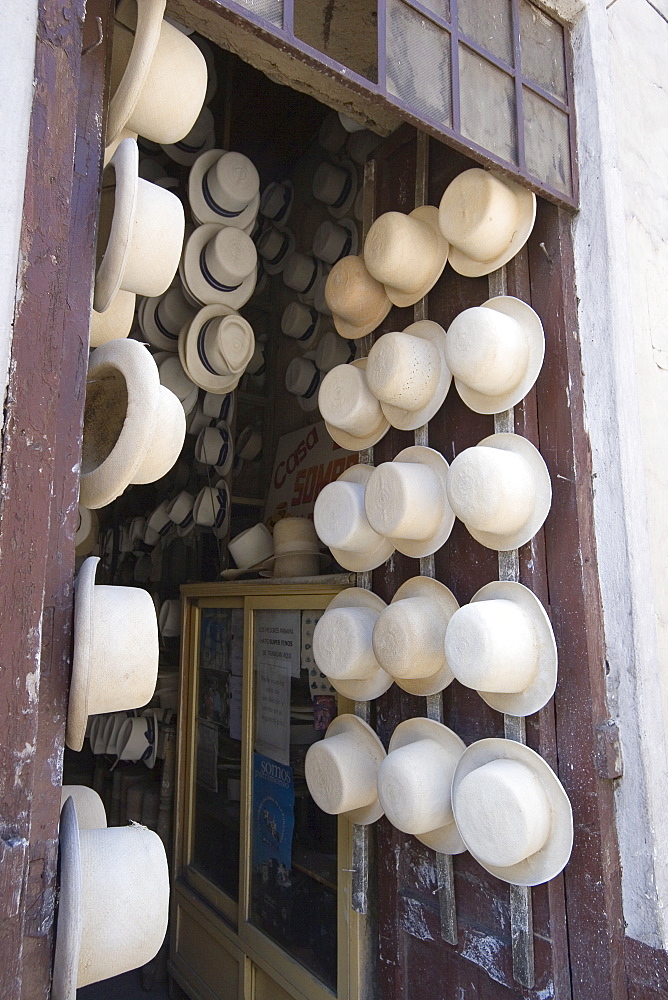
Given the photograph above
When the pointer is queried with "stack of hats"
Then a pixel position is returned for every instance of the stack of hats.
(296, 549)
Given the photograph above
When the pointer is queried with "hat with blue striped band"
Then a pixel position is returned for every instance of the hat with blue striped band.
(212, 506)
(216, 348)
(220, 266)
(161, 318)
(302, 323)
(334, 240)
(224, 188)
(277, 201)
(200, 139)
(302, 379)
(335, 185)
(214, 447)
(275, 246)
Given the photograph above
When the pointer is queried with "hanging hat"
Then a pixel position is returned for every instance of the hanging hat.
(96, 735)
(302, 323)
(214, 447)
(113, 902)
(334, 240)
(512, 812)
(319, 297)
(302, 379)
(114, 722)
(333, 350)
(180, 510)
(134, 428)
(409, 636)
(197, 419)
(249, 443)
(137, 529)
(353, 416)
(138, 739)
(200, 139)
(406, 501)
(275, 246)
(407, 253)
(251, 550)
(415, 783)
(216, 348)
(257, 366)
(159, 524)
(140, 235)
(224, 188)
(212, 507)
(151, 169)
(501, 490)
(89, 806)
(88, 527)
(300, 272)
(115, 660)
(277, 201)
(219, 407)
(362, 144)
(212, 76)
(349, 124)
(115, 322)
(342, 645)
(358, 302)
(220, 265)
(331, 134)
(162, 317)
(487, 219)
(111, 147)
(408, 374)
(341, 770)
(296, 548)
(173, 377)
(502, 645)
(335, 185)
(341, 523)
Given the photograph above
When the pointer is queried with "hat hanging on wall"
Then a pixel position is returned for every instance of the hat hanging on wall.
(296, 548)
(219, 407)
(502, 645)
(333, 350)
(300, 273)
(302, 379)
(319, 297)
(335, 185)
(137, 739)
(331, 134)
(277, 201)
(220, 266)
(512, 812)
(180, 511)
(224, 188)
(97, 741)
(114, 722)
(415, 783)
(212, 507)
(408, 374)
(251, 550)
(140, 234)
(200, 139)
(214, 447)
(89, 806)
(301, 322)
(173, 377)
(275, 246)
(212, 76)
(159, 524)
(134, 428)
(115, 660)
(349, 124)
(249, 443)
(161, 318)
(408, 640)
(487, 219)
(341, 523)
(358, 302)
(353, 416)
(196, 419)
(495, 352)
(216, 348)
(362, 144)
(334, 240)
(115, 322)
(88, 527)
(501, 490)
(407, 253)
(341, 770)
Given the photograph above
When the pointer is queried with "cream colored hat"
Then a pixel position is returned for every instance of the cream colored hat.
(224, 188)
(159, 524)
(277, 201)
(200, 139)
(275, 247)
(249, 443)
(341, 522)
(302, 379)
(180, 510)
(85, 539)
(212, 507)
(115, 322)
(169, 619)
(134, 428)
(301, 322)
(173, 376)
(502, 645)
(300, 273)
(113, 902)
(406, 501)
(140, 232)
(333, 350)
(138, 739)
(409, 636)
(341, 770)
(296, 548)
(415, 783)
(319, 298)
(495, 352)
(334, 240)
(251, 550)
(358, 302)
(220, 266)
(487, 219)
(96, 734)
(214, 447)
(501, 490)
(197, 419)
(335, 185)
(512, 812)
(353, 416)
(161, 318)
(115, 660)
(218, 407)
(408, 374)
(216, 348)
(407, 253)
(89, 806)
(331, 134)
(342, 647)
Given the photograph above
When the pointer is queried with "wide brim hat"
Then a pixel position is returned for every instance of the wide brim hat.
(547, 862)
(439, 594)
(85, 539)
(89, 806)
(183, 151)
(155, 332)
(255, 549)
(354, 331)
(428, 215)
(147, 35)
(189, 353)
(276, 268)
(197, 284)
(368, 688)
(115, 323)
(198, 205)
(362, 562)
(363, 734)
(349, 441)
(409, 420)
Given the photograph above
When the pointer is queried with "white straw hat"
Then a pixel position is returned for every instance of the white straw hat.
(275, 247)
(220, 266)
(140, 235)
(334, 240)
(200, 139)
(113, 902)
(353, 416)
(173, 376)
(319, 297)
(406, 501)
(409, 637)
(301, 322)
(487, 219)
(495, 352)
(137, 739)
(358, 302)
(214, 447)
(335, 184)
(300, 273)
(114, 722)
(277, 201)
(415, 783)
(90, 808)
(341, 770)
(115, 322)
(137, 528)
(180, 510)
(158, 524)
(342, 646)
(251, 550)
(115, 660)
(212, 75)
(502, 645)
(219, 407)
(333, 350)
(162, 317)
(349, 124)
(362, 144)
(407, 253)
(85, 539)
(512, 812)
(196, 418)
(341, 522)
(96, 734)
(408, 374)
(216, 348)
(501, 490)
(224, 188)
(302, 379)
(212, 507)
(249, 443)
(134, 428)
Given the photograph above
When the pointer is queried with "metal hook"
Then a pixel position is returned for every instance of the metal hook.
(100, 38)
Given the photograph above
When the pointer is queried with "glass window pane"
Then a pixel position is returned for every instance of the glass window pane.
(347, 33)
(439, 7)
(542, 48)
(488, 111)
(489, 23)
(271, 10)
(418, 63)
(546, 142)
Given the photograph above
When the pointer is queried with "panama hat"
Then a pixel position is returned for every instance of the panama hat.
(212, 75)
(214, 447)
(334, 240)
(197, 419)
(342, 647)
(89, 806)
(300, 273)
(224, 188)
(502, 645)
(415, 783)
(407, 253)
(358, 302)
(88, 527)
(296, 548)
(249, 443)
(251, 550)
(162, 317)
(113, 723)
(180, 510)
(173, 376)
(302, 323)
(362, 144)
(408, 374)
(212, 507)
(134, 428)
(501, 490)
(219, 407)
(302, 379)
(158, 524)
(277, 201)
(406, 501)
(409, 636)
(115, 322)
(333, 350)
(487, 219)
(115, 660)
(341, 770)
(275, 247)
(335, 185)
(137, 528)
(495, 352)
(140, 234)
(319, 297)
(512, 812)
(353, 416)
(220, 266)
(200, 138)
(349, 124)
(137, 739)
(216, 348)
(96, 734)
(341, 523)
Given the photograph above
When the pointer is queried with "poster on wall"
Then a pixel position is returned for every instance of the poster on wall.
(273, 817)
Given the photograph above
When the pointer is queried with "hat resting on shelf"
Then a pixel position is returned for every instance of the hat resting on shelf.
(252, 550)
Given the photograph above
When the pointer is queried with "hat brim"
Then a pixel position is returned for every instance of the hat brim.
(286, 214)
(115, 323)
(149, 327)
(351, 332)
(197, 284)
(344, 209)
(198, 205)
(429, 215)
(218, 384)
(417, 548)
(408, 420)
(349, 441)
(147, 36)
(109, 277)
(530, 322)
(77, 706)
(69, 922)
(182, 156)
(277, 268)
(344, 724)
(361, 562)
(438, 593)
(234, 574)
(546, 863)
(526, 216)
(543, 494)
(307, 298)
(324, 557)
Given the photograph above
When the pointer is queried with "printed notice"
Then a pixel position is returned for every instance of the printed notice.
(278, 639)
(272, 719)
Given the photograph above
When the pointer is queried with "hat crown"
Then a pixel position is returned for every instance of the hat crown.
(492, 646)
(404, 500)
(295, 534)
(342, 645)
(252, 546)
(353, 293)
(228, 344)
(330, 241)
(329, 183)
(340, 518)
(346, 403)
(274, 199)
(403, 370)
(491, 489)
(299, 271)
(408, 638)
(297, 319)
(414, 783)
(400, 251)
(233, 181)
(341, 774)
(300, 376)
(331, 352)
(230, 256)
(212, 446)
(173, 310)
(210, 508)
(200, 131)
(181, 507)
(478, 214)
(487, 349)
(174, 378)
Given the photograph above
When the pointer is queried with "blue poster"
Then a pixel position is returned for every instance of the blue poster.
(273, 815)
